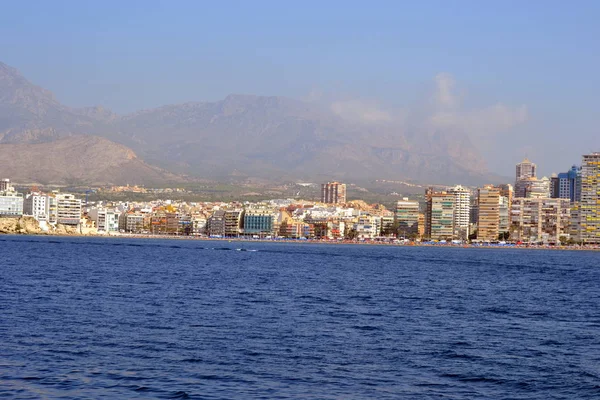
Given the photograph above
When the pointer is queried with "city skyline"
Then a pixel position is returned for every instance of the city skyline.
(563, 210)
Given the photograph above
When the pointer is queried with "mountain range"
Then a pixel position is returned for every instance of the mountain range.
(241, 136)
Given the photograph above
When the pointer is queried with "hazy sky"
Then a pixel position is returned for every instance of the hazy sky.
(521, 77)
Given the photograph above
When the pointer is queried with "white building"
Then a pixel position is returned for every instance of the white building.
(462, 211)
(36, 205)
(367, 226)
(106, 219)
(11, 203)
(68, 209)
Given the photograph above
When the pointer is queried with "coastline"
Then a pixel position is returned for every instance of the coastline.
(311, 241)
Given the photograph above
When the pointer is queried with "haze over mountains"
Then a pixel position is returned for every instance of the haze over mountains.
(274, 138)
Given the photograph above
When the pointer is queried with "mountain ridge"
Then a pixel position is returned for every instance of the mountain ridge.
(270, 137)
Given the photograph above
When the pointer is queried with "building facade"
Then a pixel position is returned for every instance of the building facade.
(68, 209)
(333, 193)
(215, 224)
(587, 210)
(462, 211)
(5, 185)
(11, 203)
(259, 222)
(439, 215)
(406, 218)
(567, 185)
(132, 222)
(507, 190)
(524, 171)
(233, 222)
(36, 205)
(537, 188)
(105, 219)
(543, 220)
(488, 206)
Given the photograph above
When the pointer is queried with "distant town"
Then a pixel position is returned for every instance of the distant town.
(561, 210)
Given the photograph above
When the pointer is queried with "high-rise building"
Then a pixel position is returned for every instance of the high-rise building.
(536, 188)
(406, 217)
(566, 185)
(215, 224)
(504, 215)
(587, 210)
(233, 222)
(506, 190)
(524, 171)
(439, 215)
(462, 211)
(488, 205)
(5, 185)
(540, 219)
(333, 193)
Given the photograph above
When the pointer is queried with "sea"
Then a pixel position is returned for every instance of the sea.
(114, 318)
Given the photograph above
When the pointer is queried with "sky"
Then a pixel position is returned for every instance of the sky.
(522, 78)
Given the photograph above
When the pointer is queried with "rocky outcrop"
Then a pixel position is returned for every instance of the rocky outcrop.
(26, 225)
(20, 225)
(60, 229)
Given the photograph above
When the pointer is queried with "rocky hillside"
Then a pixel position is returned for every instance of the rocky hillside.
(241, 136)
(78, 160)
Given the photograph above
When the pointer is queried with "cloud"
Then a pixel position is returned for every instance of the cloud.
(443, 112)
(483, 122)
(361, 111)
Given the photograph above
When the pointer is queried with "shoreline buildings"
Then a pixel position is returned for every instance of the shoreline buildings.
(565, 209)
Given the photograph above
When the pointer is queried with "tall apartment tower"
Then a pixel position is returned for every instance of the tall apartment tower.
(587, 210)
(407, 217)
(506, 190)
(462, 211)
(333, 193)
(488, 203)
(4, 185)
(439, 215)
(524, 171)
(567, 185)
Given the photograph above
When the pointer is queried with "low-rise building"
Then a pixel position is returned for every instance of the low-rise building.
(11, 203)
(132, 222)
(259, 221)
(105, 219)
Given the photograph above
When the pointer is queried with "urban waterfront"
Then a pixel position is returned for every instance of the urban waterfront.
(134, 318)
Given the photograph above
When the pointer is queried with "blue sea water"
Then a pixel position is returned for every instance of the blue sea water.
(133, 318)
